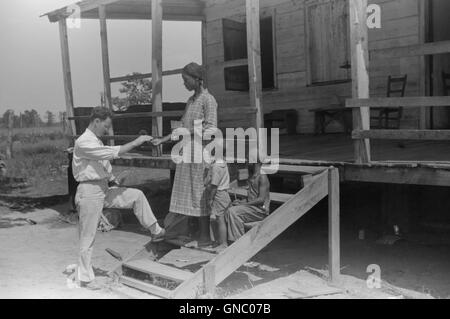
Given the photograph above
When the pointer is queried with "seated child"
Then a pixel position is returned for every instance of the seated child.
(255, 208)
(217, 183)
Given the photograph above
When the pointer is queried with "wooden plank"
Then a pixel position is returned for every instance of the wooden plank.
(138, 115)
(62, 14)
(432, 48)
(254, 60)
(105, 56)
(398, 175)
(143, 76)
(424, 85)
(233, 63)
(152, 289)
(306, 179)
(259, 237)
(105, 62)
(157, 84)
(150, 267)
(223, 113)
(67, 75)
(9, 139)
(205, 51)
(406, 102)
(422, 135)
(294, 169)
(334, 256)
(360, 75)
(278, 198)
(184, 10)
(209, 272)
(185, 257)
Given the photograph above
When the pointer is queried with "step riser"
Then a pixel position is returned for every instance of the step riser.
(140, 285)
(153, 274)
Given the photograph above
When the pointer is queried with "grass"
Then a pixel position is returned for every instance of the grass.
(39, 157)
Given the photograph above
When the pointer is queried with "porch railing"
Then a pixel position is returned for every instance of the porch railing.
(405, 102)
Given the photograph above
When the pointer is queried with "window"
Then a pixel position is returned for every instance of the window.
(235, 48)
(327, 39)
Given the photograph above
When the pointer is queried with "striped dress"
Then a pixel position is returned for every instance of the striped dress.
(188, 193)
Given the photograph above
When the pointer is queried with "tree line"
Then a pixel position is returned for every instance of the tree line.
(30, 118)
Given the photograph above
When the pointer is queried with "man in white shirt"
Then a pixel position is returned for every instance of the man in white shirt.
(92, 169)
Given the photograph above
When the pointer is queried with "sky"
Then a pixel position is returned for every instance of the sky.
(30, 56)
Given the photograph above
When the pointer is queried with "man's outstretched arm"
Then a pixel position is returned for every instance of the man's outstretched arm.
(92, 151)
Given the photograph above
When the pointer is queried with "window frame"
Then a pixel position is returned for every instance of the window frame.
(265, 13)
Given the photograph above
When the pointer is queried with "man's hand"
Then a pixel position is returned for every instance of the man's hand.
(143, 139)
(136, 143)
(157, 141)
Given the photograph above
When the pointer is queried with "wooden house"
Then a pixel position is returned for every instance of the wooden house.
(303, 55)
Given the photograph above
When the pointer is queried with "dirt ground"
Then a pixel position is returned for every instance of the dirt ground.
(34, 257)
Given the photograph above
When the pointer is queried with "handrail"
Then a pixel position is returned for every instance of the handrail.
(406, 102)
(136, 115)
(143, 76)
(419, 135)
(222, 113)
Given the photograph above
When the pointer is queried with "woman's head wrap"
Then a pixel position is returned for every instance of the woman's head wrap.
(194, 70)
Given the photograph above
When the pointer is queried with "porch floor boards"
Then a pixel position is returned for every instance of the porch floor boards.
(339, 148)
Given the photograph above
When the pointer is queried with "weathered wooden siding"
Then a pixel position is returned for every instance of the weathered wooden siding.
(400, 26)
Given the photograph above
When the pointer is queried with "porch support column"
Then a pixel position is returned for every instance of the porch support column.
(67, 75)
(360, 75)
(105, 61)
(157, 85)
(254, 65)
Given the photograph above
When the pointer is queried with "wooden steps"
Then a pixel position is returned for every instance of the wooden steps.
(278, 198)
(157, 272)
(160, 279)
(143, 286)
(153, 268)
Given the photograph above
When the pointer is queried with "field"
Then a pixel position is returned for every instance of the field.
(39, 164)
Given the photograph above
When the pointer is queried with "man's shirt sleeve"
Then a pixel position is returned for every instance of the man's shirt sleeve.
(92, 151)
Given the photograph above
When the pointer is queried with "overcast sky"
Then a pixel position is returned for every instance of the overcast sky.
(30, 57)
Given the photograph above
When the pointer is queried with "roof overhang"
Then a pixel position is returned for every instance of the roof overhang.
(176, 10)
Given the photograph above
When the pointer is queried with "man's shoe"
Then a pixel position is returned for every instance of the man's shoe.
(159, 237)
(92, 285)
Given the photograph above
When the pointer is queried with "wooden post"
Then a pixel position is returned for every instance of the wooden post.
(9, 146)
(334, 259)
(105, 61)
(424, 16)
(360, 75)
(67, 75)
(205, 51)
(64, 122)
(209, 274)
(157, 85)
(254, 63)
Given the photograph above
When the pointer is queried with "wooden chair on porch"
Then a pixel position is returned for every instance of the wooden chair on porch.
(389, 117)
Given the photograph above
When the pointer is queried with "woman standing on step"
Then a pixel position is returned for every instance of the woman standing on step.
(188, 193)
